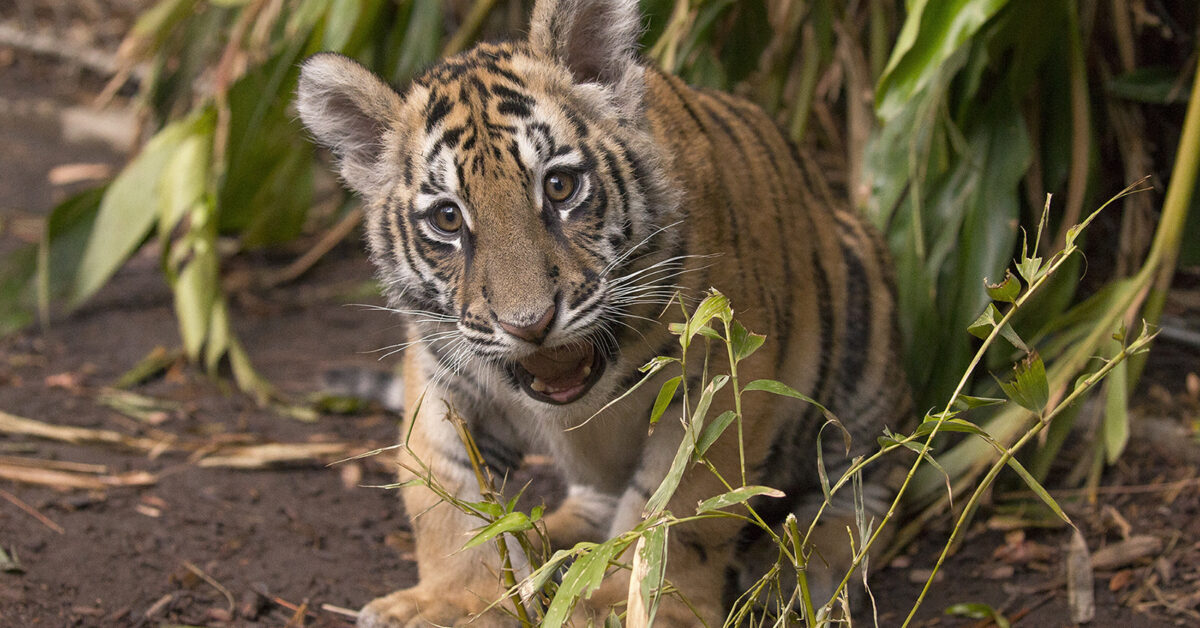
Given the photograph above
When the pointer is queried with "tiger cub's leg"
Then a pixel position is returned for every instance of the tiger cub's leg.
(843, 528)
(455, 584)
(698, 551)
(585, 515)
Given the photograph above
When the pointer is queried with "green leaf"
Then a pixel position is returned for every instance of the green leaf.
(195, 295)
(512, 522)
(1007, 290)
(736, 496)
(537, 580)
(488, 509)
(1158, 85)
(584, 575)
(33, 276)
(950, 425)
(1038, 490)
(666, 488)
(652, 551)
(340, 21)
(128, 211)
(706, 398)
(978, 610)
(989, 319)
(665, 395)
(712, 432)
(1115, 427)
(967, 402)
(1029, 386)
(779, 388)
(932, 32)
(744, 342)
(184, 180)
(714, 305)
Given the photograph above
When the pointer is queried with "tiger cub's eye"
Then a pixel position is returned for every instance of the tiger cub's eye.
(559, 186)
(447, 219)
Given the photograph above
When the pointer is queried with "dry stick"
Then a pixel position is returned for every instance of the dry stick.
(93, 59)
(1081, 138)
(212, 582)
(16, 501)
(331, 238)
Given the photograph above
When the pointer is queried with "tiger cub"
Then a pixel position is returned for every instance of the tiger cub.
(531, 205)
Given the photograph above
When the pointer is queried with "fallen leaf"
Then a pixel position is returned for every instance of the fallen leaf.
(67, 381)
(1120, 580)
(1126, 552)
(66, 174)
(1081, 594)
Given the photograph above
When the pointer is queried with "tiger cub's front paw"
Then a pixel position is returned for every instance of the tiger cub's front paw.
(423, 606)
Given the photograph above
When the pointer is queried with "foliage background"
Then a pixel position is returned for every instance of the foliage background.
(946, 121)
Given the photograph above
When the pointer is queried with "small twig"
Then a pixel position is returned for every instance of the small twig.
(16, 501)
(336, 234)
(98, 61)
(158, 605)
(212, 582)
(297, 618)
(338, 610)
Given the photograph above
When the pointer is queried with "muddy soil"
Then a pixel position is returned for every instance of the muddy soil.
(164, 540)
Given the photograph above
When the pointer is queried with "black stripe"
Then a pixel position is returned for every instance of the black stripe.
(439, 107)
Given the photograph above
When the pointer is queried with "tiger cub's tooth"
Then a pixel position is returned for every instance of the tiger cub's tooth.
(587, 370)
(537, 385)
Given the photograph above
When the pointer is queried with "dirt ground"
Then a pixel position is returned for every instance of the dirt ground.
(150, 536)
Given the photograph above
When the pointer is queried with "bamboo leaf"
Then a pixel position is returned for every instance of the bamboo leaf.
(712, 432)
(1038, 490)
(736, 496)
(967, 402)
(1007, 290)
(665, 395)
(714, 305)
(1029, 387)
(1116, 412)
(511, 522)
(581, 579)
(744, 342)
(779, 388)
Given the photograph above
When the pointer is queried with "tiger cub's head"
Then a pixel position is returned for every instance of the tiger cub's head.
(515, 197)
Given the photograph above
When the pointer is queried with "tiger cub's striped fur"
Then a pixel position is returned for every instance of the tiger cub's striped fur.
(531, 207)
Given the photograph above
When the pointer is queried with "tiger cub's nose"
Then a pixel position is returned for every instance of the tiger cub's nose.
(535, 332)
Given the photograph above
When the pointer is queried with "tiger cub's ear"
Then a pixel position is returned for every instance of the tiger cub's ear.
(350, 111)
(596, 39)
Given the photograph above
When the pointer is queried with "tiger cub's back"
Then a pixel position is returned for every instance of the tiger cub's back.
(798, 263)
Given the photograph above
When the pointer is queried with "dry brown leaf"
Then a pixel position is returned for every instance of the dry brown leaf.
(66, 381)
(1126, 552)
(272, 454)
(57, 465)
(68, 480)
(1081, 593)
(1120, 580)
(12, 424)
(1018, 550)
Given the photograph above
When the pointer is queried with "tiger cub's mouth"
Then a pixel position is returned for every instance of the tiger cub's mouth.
(559, 375)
